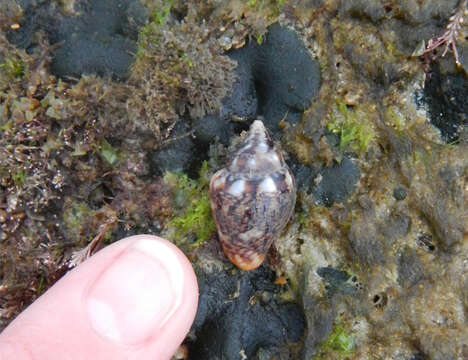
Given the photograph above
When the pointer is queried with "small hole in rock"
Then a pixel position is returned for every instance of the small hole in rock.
(380, 299)
(425, 241)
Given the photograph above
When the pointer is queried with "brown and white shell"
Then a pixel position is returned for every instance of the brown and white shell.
(252, 199)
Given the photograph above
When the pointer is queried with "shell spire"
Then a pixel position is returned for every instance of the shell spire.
(252, 199)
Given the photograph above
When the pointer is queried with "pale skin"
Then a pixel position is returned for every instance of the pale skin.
(135, 299)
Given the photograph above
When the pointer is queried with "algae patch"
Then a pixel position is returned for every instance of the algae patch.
(192, 211)
(340, 344)
(354, 131)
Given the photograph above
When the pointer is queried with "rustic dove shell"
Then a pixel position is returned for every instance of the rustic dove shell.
(252, 199)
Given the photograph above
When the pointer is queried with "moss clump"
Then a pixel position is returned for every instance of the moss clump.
(13, 67)
(109, 153)
(351, 126)
(18, 178)
(340, 343)
(160, 13)
(14, 64)
(395, 119)
(178, 69)
(76, 214)
(192, 211)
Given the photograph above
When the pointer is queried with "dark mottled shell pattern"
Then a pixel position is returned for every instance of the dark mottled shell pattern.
(252, 199)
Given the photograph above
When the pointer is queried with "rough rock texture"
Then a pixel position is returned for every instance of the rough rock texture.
(373, 126)
(106, 29)
(276, 79)
(241, 312)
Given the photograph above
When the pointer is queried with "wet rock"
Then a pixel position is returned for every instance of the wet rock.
(400, 193)
(285, 76)
(284, 70)
(176, 156)
(463, 56)
(99, 38)
(445, 95)
(241, 312)
(320, 316)
(418, 356)
(110, 58)
(365, 241)
(413, 21)
(237, 109)
(337, 183)
(277, 80)
(242, 102)
(302, 174)
(446, 225)
(395, 226)
(209, 127)
(410, 269)
(363, 9)
(337, 280)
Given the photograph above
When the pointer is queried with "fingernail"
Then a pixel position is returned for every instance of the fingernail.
(137, 294)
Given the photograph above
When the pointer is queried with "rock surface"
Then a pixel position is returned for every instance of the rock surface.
(373, 262)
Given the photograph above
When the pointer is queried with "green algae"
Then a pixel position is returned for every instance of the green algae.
(192, 213)
(13, 67)
(354, 131)
(19, 177)
(75, 215)
(160, 14)
(340, 344)
(108, 153)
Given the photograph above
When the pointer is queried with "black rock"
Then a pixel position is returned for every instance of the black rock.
(400, 193)
(302, 173)
(277, 80)
(240, 105)
(418, 356)
(445, 96)
(338, 182)
(320, 316)
(229, 321)
(100, 40)
(284, 70)
(363, 9)
(285, 76)
(209, 127)
(337, 280)
(179, 155)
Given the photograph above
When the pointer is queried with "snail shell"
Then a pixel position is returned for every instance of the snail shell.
(252, 199)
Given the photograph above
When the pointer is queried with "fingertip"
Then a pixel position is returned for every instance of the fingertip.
(136, 298)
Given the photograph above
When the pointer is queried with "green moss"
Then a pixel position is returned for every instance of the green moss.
(351, 126)
(177, 68)
(340, 343)
(192, 215)
(148, 36)
(259, 38)
(7, 126)
(75, 215)
(394, 118)
(160, 14)
(19, 177)
(13, 67)
(108, 153)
